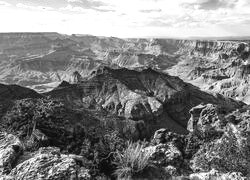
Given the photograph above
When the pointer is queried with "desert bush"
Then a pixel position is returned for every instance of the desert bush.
(99, 147)
(132, 160)
(26, 114)
(227, 154)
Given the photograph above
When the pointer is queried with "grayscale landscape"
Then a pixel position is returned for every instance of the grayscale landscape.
(152, 94)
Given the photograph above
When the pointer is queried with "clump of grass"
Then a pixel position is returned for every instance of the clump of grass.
(132, 160)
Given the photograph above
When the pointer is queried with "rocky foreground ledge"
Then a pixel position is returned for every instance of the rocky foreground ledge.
(217, 147)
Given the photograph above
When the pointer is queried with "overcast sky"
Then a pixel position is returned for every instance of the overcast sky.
(128, 18)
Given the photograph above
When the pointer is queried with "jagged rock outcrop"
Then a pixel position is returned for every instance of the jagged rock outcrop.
(216, 147)
(167, 148)
(206, 117)
(76, 77)
(228, 153)
(218, 140)
(48, 163)
(10, 149)
(139, 95)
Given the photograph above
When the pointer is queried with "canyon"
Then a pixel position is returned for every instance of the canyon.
(42, 60)
(68, 102)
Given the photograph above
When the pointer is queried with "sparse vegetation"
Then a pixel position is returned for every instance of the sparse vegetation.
(31, 119)
(99, 147)
(228, 154)
(132, 160)
(26, 114)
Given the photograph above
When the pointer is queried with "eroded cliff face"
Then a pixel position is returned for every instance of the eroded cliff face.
(216, 66)
(223, 49)
(153, 97)
(42, 60)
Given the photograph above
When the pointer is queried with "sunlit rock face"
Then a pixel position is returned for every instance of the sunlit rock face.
(10, 148)
(216, 66)
(41, 61)
(48, 163)
(45, 163)
(154, 97)
(217, 146)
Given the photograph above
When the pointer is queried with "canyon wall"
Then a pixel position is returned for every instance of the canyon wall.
(42, 61)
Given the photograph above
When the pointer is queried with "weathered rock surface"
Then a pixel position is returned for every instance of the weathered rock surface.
(219, 141)
(10, 149)
(213, 174)
(206, 117)
(49, 164)
(46, 163)
(42, 60)
(140, 95)
(217, 146)
(216, 66)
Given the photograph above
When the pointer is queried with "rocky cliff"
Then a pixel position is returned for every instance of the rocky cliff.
(147, 95)
(215, 66)
(42, 60)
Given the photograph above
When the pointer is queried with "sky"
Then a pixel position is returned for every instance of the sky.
(128, 18)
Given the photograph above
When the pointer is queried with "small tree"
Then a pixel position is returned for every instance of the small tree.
(27, 116)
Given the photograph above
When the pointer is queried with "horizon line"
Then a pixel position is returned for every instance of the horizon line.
(135, 37)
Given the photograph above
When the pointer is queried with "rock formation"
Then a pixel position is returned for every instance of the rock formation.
(49, 163)
(98, 94)
(145, 95)
(216, 147)
(215, 66)
(42, 60)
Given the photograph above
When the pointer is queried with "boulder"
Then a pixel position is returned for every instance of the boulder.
(167, 154)
(48, 164)
(10, 148)
(159, 136)
(205, 118)
(164, 136)
(214, 174)
(195, 115)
